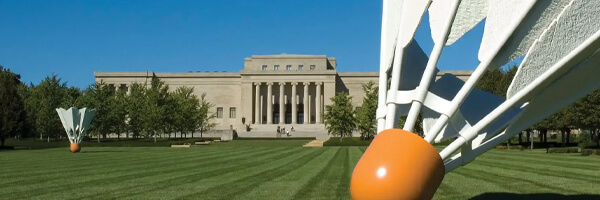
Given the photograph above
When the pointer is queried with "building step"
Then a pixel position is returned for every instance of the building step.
(314, 143)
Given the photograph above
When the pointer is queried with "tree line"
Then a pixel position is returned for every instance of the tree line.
(148, 110)
(342, 118)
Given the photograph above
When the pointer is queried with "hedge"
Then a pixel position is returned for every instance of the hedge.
(347, 141)
(587, 152)
(519, 147)
(563, 150)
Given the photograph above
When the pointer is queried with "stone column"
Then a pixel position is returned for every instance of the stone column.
(305, 102)
(269, 103)
(257, 104)
(318, 103)
(294, 104)
(309, 109)
(260, 121)
(281, 104)
(117, 87)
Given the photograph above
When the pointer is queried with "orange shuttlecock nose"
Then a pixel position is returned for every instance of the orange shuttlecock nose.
(397, 165)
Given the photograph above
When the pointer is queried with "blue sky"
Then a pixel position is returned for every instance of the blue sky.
(75, 38)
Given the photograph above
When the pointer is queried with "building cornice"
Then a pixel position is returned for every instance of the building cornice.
(286, 72)
(289, 56)
(168, 74)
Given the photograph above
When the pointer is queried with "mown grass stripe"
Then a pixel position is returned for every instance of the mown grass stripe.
(132, 165)
(457, 186)
(284, 187)
(238, 182)
(547, 167)
(58, 154)
(138, 171)
(587, 165)
(541, 153)
(65, 167)
(174, 181)
(546, 171)
(512, 178)
(344, 179)
(323, 179)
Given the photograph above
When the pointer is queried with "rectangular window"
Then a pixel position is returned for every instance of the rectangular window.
(220, 112)
(288, 67)
(312, 67)
(276, 67)
(264, 67)
(232, 112)
(300, 67)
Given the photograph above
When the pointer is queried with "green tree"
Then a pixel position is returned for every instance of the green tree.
(136, 105)
(339, 116)
(30, 111)
(156, 117)
(118, 112)
(47, 96)
(186, 114)
(366, 123)
(489, 82)
(101, 96)
(205, 117)
(12, 117)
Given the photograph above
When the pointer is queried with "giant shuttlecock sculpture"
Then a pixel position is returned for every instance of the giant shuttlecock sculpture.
(559, 40)
(76, 123)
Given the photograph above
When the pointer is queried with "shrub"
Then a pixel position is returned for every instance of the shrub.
(564, 150)
(587, 152)
(347, 141)
(281, 138)
(585, 145)
(502, 147)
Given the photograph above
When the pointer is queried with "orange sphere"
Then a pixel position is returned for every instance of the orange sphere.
(397, 165)
(75, 147)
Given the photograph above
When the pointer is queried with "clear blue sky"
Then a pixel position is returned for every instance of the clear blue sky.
(75, 38)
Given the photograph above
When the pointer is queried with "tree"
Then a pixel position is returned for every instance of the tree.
(12, 117)
(489, 82)
(47, 96)
(339, 116)
(100, 99)
(204, 115)
(118, 112)
(155, 117)
(136, 106)
(366, 121)
(30, 111)
(187, 110)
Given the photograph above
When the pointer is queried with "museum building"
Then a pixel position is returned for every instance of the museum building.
(270, 91)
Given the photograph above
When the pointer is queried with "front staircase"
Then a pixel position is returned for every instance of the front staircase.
(314, 143)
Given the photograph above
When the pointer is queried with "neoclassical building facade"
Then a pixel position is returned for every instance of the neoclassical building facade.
(270, 91)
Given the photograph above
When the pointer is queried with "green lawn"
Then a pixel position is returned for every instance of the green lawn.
(272, 170)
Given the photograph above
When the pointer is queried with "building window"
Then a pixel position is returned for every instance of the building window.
(300, 67)
(232, 112)
(312, 67)
(220, 112)
(276, 67)
(288, 67)
(264, 67)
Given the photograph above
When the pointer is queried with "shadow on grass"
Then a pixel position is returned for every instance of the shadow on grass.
(544, 196)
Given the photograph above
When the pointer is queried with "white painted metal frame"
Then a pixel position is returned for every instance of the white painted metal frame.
(76, 122)
(399, 23)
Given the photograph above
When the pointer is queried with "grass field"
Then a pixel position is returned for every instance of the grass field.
(272, 170)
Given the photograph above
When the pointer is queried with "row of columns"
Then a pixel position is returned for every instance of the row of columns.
(306, 119)
(118, 87)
